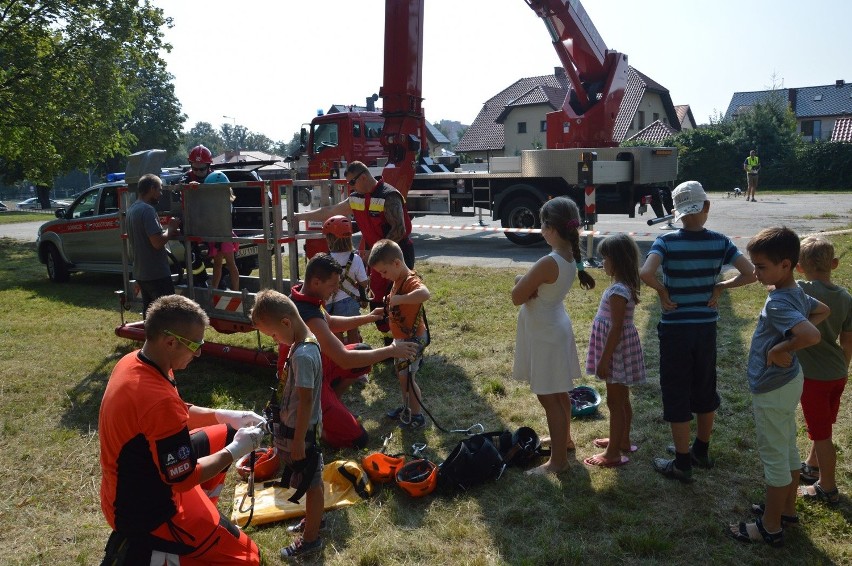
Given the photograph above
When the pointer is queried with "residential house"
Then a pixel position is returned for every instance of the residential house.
(817, 108)
(685, 117)
(515, 118)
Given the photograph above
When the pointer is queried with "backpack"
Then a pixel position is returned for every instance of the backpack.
(474, 460)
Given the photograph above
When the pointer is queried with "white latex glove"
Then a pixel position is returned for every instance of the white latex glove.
(245, 440)
(238, 419)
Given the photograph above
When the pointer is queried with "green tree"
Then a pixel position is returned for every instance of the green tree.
(156, 119)
(203, 133)
(259, 142)
(770, 128)
(290, 148)
(69, 81)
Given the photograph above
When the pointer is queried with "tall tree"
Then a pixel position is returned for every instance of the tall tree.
(68, 81)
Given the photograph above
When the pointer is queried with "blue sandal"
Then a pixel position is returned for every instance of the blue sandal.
(830, 498)
(775, 540)
(808, 474)
(786, 520)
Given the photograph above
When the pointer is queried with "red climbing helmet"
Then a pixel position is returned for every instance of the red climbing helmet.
(338, 226)
(382, 468)
(200, 154)
(418, 477)
(266, 465)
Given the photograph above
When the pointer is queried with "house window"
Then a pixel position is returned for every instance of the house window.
(641, 116)
(543, 126)
(812, 129)
(656, 116)
(522, 127)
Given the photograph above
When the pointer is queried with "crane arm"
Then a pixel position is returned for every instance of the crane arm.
(598, 77)
(404, 132)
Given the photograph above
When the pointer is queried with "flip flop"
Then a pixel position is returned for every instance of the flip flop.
(604, 442)
(600, 462)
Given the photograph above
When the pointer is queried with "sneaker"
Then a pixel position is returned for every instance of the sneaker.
(705, 461)
(301, 548)
(417, 421)
(668, 226)
(299, 527)
(363, 379)
(394, 415)
(668, 469)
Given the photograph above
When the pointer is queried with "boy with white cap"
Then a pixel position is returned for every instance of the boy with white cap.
(691, 259)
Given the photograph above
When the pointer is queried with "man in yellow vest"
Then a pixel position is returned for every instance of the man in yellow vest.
(751, 165)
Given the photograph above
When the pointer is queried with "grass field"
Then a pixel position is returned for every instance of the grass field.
(57, 348)
(16, 216)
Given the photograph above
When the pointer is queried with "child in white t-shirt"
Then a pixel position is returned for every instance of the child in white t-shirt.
(351, 296)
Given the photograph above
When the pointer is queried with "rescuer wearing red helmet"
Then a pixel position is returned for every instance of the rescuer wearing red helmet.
(200, 160)
(380, 211)
(162, 460)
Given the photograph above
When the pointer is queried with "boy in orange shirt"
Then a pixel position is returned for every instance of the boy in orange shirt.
(404, 306)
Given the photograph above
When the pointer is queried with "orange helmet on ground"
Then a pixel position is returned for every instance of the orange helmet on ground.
(338, 226)
(200, 154)
(266, 465)
(382, 468)
(418, 477)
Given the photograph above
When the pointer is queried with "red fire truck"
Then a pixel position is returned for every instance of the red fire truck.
(582, 160)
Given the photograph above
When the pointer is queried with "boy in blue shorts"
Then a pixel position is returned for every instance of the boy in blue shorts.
(691, 260)
(786, 325)
(825, 367)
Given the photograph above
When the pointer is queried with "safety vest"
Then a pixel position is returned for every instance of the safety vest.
(369, 213)
(752, 163)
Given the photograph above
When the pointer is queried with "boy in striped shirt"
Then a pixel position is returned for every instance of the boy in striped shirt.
(691, 259)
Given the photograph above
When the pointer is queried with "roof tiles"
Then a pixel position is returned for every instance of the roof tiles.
(842, 131)
(656, 132)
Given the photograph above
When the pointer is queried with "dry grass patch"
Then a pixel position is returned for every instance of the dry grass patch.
(57, 348)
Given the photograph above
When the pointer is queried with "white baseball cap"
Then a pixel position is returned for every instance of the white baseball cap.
(688, 198)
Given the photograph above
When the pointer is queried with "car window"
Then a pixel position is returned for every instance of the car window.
(85, 205)
(109, 201)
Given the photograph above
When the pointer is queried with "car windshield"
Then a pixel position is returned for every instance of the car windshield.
(325, 135)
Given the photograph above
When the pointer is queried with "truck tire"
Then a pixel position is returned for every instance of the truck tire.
(521, 212)
(57, 270)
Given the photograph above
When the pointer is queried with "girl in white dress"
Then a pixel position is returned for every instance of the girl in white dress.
(545, 349)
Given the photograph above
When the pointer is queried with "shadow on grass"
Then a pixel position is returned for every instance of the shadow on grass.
(726, 492)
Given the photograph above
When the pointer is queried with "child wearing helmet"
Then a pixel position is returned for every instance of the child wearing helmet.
(351, 295)
(223, 252)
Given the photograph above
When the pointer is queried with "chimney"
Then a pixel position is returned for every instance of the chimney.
(791, 98)
(839, 83)
(230, 154)
(559, 72)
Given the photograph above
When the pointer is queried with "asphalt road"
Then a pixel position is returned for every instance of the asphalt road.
(804, 213)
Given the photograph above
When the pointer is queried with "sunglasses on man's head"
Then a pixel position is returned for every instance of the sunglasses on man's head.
(191, 344)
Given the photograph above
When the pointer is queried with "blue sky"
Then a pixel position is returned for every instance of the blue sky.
(270, 64)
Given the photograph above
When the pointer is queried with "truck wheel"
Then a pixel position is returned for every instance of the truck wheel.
(57, 270)
(521, 212)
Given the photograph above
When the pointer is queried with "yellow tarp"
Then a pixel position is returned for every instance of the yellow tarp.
(344, 481)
